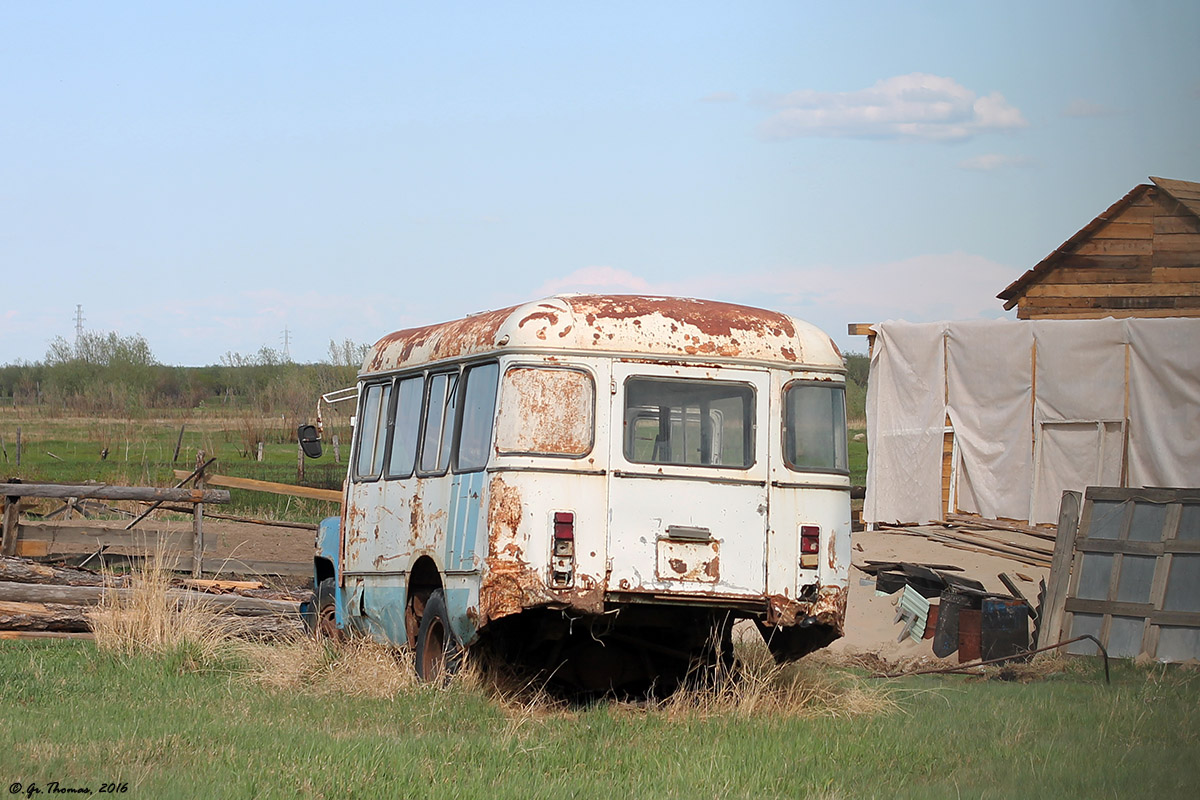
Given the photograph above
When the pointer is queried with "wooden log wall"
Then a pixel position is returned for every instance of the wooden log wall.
(1144, 262)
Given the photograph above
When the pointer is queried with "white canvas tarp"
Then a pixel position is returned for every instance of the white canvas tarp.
(1037, 407)
(1164, 403)
(1078, 408)
(906, 417)
(989, 390)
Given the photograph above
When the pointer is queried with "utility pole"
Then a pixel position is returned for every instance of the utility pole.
(78, 323)
(287, 356)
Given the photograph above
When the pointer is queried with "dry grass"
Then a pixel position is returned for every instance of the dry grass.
(150, 619)
(358, 667)
(760, 687)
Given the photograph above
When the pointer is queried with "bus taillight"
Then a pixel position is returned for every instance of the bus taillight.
(810, 545)
(563, 570)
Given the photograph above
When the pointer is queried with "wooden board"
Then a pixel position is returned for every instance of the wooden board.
(266, 486)
(58, 535)
(1174, 289)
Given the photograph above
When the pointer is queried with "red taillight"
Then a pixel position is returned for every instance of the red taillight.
(562, 570)
(810, 539)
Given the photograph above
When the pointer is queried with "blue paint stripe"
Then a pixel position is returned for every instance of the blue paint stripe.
(451, 555)
(471, 534)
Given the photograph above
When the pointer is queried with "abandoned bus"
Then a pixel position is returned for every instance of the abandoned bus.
(595, 486)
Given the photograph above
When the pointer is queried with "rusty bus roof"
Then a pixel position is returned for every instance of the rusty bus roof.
(667, 327)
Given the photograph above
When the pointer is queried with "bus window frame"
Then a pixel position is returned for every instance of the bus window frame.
(588, 373)
(749, 435)
(395, 407)
(380, 429)
(783, 426)
(456, 441)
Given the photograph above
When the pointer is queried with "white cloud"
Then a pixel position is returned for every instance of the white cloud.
(992, 161)
(720, 97)
(1086, 108)
(916, 106)
(599, 279)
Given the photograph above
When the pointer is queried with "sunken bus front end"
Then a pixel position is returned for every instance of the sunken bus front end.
(597, 487)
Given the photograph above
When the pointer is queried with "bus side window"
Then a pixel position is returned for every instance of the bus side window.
(479, 406)
(440, 404)
(406, 428)
(371, 430)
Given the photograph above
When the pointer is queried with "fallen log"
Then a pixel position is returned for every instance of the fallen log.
(93, 595)
(18, 570)
(18, 616)
(47, 635)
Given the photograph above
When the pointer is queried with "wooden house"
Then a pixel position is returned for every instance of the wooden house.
(1140, 258)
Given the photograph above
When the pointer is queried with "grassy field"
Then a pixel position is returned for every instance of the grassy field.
(65, 449)
(174, 725)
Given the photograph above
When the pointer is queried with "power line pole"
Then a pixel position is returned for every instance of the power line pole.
(287, 356)
(78, 323)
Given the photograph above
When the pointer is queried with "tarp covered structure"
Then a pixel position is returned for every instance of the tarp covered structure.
(1036, 407)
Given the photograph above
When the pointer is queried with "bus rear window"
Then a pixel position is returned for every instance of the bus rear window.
(814, 427)
(546, 411)
(689, 423)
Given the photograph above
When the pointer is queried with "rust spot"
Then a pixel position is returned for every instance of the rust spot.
(829, 608)
(508, 585)
(788, 353)
(678, 565)
(709, 317)
(713, 569)
(476, 333)
(565, 331)
(549, 316)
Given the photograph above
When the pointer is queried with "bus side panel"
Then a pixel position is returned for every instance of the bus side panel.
(520, 540)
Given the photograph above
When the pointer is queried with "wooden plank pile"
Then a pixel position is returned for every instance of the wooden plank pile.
(1013, 541)
(40, 600)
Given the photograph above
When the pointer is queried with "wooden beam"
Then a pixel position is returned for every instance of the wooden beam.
(1179, 289)
(1053, 606)
(273, 488)
(105, 492)
(860, 329)
(8, 540)
(103, 537)
(93, 595)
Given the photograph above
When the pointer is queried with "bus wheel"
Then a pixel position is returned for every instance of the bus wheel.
(438, 653)
(326, 627)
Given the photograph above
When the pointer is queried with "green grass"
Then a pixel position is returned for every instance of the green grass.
(61, 448)
(858, 457)
(71, 713)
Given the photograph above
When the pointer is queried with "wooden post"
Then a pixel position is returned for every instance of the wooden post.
(337, 450)
(299, 463)
(260, 451)
(18, 445)
(198, 522)
(1053, 606)
(178, 444)
(12, 510)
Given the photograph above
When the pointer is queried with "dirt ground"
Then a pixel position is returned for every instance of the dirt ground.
(870, 628)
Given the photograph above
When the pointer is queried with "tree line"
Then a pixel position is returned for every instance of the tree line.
(106, 372)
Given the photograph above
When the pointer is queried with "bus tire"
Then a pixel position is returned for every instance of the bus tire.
(438, 653)
(326, 627)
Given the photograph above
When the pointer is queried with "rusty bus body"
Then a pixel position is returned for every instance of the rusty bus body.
(593, 485)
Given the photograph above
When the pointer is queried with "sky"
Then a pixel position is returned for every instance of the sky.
(221, 177)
